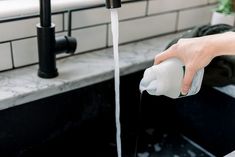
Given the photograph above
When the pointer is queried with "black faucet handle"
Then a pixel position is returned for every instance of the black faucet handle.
(65, 44)
(72, 44)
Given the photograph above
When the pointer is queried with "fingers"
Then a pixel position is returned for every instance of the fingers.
(187, 81)
(169, 53)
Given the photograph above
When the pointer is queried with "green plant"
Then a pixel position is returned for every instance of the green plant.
(225, 7)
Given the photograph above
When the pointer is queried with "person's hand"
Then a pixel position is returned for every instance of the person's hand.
(195, 53)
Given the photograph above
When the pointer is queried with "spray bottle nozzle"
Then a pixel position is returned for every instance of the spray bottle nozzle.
(111, 4)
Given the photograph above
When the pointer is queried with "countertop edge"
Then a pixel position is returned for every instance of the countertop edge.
(8, 103)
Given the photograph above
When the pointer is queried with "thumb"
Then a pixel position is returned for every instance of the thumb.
(164, 56)
(187, 80)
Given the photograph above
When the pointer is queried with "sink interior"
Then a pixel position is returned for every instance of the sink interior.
(81, 123)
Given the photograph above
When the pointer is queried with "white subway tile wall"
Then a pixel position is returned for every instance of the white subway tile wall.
(132, 10)
(25, 52)
(138, 20)
(6, 58)
(146, 27)
(25, 28)
(194, 17)
(90, 17)
(159, 6)
(101, 15)
(90, 38)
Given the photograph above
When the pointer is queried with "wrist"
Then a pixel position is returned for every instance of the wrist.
(210, 47)
(223, 44)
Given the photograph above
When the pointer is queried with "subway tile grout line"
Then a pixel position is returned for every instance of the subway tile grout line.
(28, 37)
(107, 35)
(147, 8)
(90, 26)
(12, 19)
(12, 57)
(63, 20)
(177, 21)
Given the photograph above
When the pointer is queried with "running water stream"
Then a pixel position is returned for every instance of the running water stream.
(115, 33)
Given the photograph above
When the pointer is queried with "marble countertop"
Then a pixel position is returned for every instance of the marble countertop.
(23, 85)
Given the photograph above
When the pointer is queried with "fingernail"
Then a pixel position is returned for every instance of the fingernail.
(184, 90)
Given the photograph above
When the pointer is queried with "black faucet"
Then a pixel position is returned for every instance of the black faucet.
(111, 4)
(48, 44)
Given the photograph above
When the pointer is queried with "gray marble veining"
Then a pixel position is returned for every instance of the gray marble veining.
(23, 85)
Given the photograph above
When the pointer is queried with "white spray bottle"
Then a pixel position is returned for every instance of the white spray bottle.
(166, 79)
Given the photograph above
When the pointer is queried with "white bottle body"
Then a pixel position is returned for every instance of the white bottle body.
(166, 79)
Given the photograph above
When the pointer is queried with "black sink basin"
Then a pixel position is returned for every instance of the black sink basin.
(81, 123)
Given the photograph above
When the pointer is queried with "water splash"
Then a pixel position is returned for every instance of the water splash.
(115, 33)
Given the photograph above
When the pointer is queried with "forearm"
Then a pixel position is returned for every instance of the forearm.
(222, 44)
